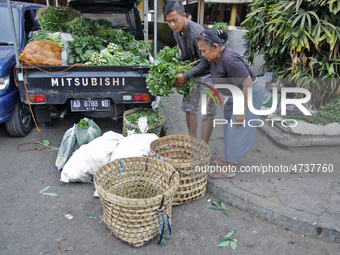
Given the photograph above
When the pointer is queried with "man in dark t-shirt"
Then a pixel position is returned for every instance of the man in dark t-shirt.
(186, 33)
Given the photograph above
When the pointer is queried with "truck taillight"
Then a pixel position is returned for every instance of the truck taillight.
(36, 98)
(141, 97)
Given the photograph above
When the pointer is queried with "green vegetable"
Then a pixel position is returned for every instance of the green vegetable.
(55, 19)
(43, 35)
(163, 72)
(83, 124)
(90, 37)
(115, 55)
(154, 117)
(81, 45)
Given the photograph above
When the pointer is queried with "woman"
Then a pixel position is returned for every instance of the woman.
(231, 67)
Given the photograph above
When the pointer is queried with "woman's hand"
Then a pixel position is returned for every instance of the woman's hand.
(239, 120)
(179, 80)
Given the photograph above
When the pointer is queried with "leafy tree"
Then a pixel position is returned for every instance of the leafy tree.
(300, 42)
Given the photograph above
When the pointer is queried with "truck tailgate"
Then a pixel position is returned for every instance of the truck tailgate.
(60, 83)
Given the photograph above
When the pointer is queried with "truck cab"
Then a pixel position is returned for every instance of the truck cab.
(16, 115)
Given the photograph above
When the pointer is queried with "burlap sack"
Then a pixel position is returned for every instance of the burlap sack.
(41, 53)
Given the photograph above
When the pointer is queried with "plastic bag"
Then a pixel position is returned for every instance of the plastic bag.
(82, 133)
(66, 148)
(41, 53)
(85, 133)
(65, 38)
(88, 158)
(135, 145)
(143, 124)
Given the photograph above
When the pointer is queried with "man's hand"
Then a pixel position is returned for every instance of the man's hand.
(179, 80)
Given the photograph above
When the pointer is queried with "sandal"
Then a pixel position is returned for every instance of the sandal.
(222, 161)
(218, 175)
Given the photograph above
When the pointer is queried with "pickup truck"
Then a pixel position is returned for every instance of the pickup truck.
(16, 115)
(96, 91)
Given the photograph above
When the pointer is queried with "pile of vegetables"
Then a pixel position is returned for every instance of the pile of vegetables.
(163, 72)
(91, 38)
(154, 117)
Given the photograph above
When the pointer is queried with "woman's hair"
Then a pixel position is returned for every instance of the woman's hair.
(211, 36)
(173, 6)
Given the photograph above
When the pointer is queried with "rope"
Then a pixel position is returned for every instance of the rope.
(35, 122)
(29, 104)
(120, 166)
(161, 212)
(32, 149)
(65, 70)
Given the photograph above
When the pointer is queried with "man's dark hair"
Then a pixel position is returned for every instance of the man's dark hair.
(173, 6)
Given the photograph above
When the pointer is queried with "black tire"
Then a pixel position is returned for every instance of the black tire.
(21, 122)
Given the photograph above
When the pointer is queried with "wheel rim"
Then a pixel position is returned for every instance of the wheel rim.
(26, 117)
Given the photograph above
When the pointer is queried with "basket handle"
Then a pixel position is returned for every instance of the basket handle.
(173, 174)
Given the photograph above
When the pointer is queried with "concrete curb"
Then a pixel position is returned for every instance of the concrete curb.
(287, 138)
(274, 213)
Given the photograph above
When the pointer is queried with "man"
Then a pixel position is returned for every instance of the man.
(186, 33)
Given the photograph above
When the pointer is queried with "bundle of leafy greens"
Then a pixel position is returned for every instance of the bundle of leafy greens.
(163, 72)
(154, 117)
(43, 35)
(55, 19)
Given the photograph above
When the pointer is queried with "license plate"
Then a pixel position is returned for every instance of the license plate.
(83, 105)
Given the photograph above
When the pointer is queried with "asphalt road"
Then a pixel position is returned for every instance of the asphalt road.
(34, 223)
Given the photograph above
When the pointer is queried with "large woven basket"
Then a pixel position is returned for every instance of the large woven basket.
(127, 125)
(136, 194)
(190, 156)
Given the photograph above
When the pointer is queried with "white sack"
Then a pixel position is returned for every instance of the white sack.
(89, 157)
(135, 145)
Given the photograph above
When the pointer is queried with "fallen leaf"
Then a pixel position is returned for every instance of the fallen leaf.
(44, 189)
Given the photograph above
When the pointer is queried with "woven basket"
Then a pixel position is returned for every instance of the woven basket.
(131, 190)
(189, 156)
(127, 125)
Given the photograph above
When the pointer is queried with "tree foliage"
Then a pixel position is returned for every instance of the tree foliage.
(300, 42)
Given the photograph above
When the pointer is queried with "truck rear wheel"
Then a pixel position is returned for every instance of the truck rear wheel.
(21, 122)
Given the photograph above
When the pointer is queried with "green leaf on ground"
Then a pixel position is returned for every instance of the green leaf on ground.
(226, 241)
(91, 216)
(44, 189)
(50, 194)
(299, 210)
(225, 213)
(257, 151)
(233, 245)
(46, 142)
